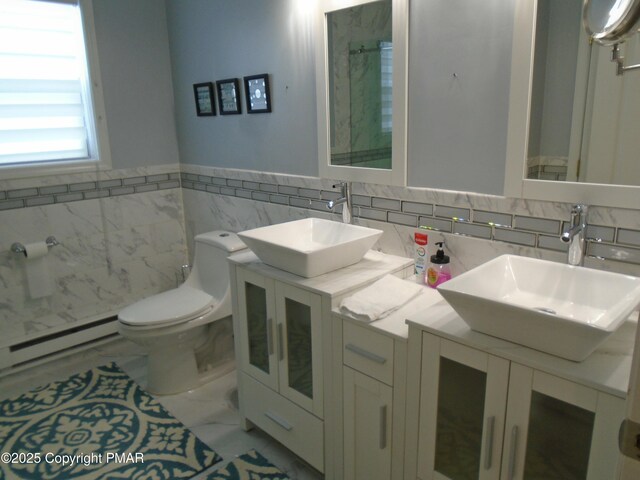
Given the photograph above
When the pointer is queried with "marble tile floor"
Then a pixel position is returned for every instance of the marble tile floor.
(209, 411)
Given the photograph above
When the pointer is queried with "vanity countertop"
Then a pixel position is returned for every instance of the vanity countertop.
(339, 282)
(607, 369)
(395, 325)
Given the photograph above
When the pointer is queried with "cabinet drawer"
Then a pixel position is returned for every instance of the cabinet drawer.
(295, 428)
(368, 352)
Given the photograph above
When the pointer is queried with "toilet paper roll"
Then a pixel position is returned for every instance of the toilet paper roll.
(35, 250)
(39, 278)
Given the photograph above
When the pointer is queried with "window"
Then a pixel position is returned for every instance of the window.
(49, 119)
(386, 83)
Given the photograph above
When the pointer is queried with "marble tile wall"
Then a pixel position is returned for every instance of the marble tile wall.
(547, 168)
(474, 227)
(121, 236)
(119, 246)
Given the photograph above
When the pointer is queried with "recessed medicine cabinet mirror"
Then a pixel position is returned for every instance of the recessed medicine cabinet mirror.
(572, 121)
(361, 80)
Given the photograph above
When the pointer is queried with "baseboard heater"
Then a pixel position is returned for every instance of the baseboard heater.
(58, 342)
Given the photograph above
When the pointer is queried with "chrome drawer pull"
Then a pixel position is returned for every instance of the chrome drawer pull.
(488, 444)
(512, 454)
(365, 353)
(383, 427)
(280, 342)
(269, 336)
(279, 420)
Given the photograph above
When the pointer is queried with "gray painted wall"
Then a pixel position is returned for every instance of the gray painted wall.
(133, 48)
(564, 23)
(558, 29)
(457, 127)
(539, 75)
(458, 124)
(217, 39)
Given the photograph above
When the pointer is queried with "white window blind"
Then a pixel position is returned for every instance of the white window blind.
(45, 109)
(386, 83)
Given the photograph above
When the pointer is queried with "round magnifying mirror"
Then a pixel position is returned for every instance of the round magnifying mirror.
(609, 21)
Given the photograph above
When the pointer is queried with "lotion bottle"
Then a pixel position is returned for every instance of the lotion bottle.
(438, 271)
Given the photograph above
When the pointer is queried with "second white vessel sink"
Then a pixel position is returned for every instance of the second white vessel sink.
(310, 247)
(559, 309)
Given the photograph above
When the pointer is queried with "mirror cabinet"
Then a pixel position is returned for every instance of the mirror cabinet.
(361, 67)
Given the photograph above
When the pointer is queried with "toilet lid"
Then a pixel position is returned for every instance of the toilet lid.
(171, 307)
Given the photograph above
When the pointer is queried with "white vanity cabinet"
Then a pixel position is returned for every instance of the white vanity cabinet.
(463, 399)
(280, 331)
(280, 358)
(368, 409)
(369, 359)
(284, 349)
(485, 417)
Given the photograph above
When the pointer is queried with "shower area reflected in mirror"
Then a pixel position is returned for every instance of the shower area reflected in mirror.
(360, 66)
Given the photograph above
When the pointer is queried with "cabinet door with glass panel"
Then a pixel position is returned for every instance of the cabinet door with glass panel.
(462, 405)
(299, 346)
(257, 313)
(483, 417)
(559, 430)
(280, 334)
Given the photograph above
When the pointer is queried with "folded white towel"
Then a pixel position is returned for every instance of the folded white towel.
(380, 298)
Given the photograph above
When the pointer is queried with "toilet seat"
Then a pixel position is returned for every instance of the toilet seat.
(168, 308)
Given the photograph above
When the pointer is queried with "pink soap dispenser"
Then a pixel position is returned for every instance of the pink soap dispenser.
(438, 271)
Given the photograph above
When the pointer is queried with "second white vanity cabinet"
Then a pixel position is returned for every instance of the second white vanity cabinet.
(485, 417)
(373, 368)
(370, 422)
(368, 410)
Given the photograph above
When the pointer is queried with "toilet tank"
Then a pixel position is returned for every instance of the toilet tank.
(210, 272)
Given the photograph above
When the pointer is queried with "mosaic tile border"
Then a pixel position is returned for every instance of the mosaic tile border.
(606, 242)
(73, 192)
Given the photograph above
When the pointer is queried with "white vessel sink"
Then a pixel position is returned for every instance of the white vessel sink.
(559, 309)
(310, 247)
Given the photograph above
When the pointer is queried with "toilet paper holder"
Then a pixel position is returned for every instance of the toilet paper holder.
(17, 247)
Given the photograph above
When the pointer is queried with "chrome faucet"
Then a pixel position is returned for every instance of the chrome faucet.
(575, 236)
(344, 200)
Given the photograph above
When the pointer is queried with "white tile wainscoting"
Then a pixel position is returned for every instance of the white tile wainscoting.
(125, 233)
(121, 237)
(475, 227)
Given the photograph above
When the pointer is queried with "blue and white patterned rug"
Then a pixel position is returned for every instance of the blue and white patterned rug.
(96, 425)
(250, 466)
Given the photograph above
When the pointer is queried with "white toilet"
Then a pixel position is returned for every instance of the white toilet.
(173, 324)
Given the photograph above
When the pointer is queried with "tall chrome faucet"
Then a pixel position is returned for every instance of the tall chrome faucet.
(344, 200)
(575, 236)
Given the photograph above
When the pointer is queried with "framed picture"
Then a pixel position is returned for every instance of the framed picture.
(228, 96)
(257, 92)
(205, 106)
